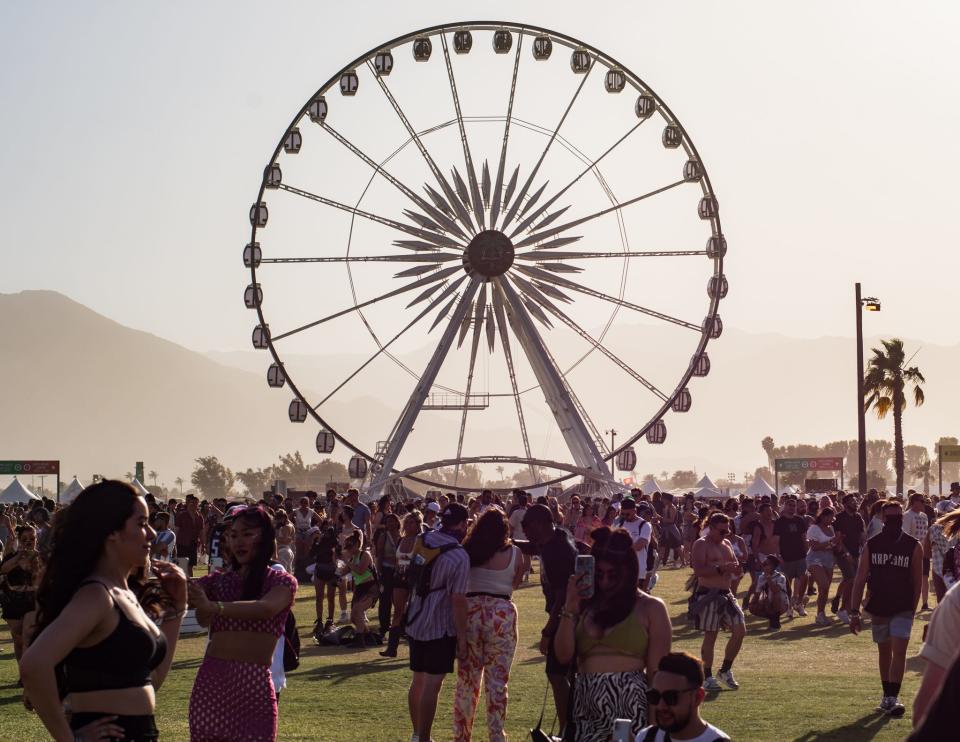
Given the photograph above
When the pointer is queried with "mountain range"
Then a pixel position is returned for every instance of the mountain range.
(84, 389)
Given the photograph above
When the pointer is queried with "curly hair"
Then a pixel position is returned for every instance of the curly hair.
(614, 547)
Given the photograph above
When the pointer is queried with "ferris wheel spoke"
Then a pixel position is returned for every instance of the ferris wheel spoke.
(556, 280)
(537, 236)
(518, 200)
(438, 276)
(467, 158)
(451, 287)
(539, 257)
(508, 355)
(433, 257)
(578, 430)
(437, 239)
(442, 181)
(536, 214)
(404, 424)
(536, 295)
(444, 221)
(501, 168)
(478, 316)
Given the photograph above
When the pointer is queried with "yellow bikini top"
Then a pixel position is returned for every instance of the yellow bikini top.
(628, 638)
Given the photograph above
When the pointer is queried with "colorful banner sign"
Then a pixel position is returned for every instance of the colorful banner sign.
(949, 453)
(30, 467)
(834, 463)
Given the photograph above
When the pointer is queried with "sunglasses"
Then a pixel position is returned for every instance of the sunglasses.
(669, 697)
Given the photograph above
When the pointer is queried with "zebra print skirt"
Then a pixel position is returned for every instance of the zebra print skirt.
(602, 697)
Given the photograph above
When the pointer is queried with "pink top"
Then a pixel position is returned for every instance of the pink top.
(228, 586)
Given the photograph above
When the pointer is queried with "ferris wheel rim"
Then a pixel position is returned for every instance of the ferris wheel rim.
(570, 42)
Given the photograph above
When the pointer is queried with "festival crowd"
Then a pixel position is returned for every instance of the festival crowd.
(94, 597)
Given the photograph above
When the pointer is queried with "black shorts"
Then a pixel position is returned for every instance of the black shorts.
(434, 657)
(18, 603)
(554, 666)
(135, 728)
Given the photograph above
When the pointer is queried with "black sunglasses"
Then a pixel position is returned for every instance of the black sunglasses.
(669, 697)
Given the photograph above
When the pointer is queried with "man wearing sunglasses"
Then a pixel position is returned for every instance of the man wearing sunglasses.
(674, 700)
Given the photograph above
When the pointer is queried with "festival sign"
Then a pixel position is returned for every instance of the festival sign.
(949, 453)
(833, 463)
(30, 467)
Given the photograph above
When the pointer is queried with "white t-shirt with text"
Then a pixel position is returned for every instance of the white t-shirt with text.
(710, 734)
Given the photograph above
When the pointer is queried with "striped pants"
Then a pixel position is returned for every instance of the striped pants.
(491, 643)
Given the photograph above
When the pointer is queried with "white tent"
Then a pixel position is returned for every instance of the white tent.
(16, 492)
(650, 485)
(71, 491)
(138, 486)
(759, 487)
(705, 483)
(708, 493)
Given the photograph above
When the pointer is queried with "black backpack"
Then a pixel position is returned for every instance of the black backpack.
(291, 644)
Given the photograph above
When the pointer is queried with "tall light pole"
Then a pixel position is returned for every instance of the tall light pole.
(870, 304)
(613, 436)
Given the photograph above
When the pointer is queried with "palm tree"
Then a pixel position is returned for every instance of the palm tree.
(179, 482)
(922, 471)
(153, 475)
(129, 476)
(884, 386)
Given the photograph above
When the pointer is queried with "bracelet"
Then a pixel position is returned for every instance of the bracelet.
(176, 616)
(569, 614)
(219, 608)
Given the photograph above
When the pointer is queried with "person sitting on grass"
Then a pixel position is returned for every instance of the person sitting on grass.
(675, 698)
(770, 600)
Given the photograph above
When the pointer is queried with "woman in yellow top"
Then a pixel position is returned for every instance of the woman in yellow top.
(616, 635)
(366, 589)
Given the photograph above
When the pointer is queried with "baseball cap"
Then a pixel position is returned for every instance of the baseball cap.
(628, 502)
(433, 506)
(453, 514)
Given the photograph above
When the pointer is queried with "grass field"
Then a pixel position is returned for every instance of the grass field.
(803, 683)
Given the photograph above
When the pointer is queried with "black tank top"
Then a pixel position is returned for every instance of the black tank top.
(891, 577)
(124, 659)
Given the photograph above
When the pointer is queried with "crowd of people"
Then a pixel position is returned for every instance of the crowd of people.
(94, 598)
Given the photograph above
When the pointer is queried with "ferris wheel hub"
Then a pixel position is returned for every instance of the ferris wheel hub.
(489, 254)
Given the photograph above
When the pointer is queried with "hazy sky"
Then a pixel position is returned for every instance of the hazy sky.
(133, 137)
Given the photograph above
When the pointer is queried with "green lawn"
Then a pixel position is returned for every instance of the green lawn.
(803, 683)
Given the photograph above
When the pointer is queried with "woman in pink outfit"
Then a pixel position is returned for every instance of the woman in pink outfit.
(496, 568)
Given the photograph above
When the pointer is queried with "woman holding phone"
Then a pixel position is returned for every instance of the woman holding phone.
(616, 632)
(93, 639)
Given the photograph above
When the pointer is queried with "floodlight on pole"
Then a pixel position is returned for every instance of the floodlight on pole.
(869, 304)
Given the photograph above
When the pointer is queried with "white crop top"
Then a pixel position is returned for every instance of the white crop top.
(494, 581)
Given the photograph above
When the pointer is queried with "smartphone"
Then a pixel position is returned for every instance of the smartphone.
(584, 573)
(621, 731)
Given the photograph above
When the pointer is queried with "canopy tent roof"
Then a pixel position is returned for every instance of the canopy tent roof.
(705, 482)
(759, 487)
(16, 493)
(708, 493)
(138, 486)
(71, 491)
(650, 485)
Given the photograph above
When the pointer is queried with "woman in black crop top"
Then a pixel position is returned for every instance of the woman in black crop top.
(94, 641)
(20, 570)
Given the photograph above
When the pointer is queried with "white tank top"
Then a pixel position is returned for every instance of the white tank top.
(303, 521)
(493, 581)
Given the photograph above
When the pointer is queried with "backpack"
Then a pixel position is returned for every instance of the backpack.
(291, 644)
(422, 559)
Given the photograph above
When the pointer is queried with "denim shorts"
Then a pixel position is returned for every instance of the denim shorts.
(821, 558)
(897, 626)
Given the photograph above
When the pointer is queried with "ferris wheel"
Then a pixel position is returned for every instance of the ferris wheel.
(500, 235)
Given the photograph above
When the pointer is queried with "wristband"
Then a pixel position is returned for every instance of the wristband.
(219, 608)
(569, 614)
(176, 616)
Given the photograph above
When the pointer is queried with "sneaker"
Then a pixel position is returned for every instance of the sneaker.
(896, 709)
(885, 704)
(727, 677)
(710, 685)
(843, 616)
(822, 620)
(344, 617)
(801, 611)
(790, 612)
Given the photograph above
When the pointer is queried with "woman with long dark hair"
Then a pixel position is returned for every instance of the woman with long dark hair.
(246, 608)
(412, 527)
(93, 634)
(366, 589)
(496, 569)
(616, 635)
(20, 570)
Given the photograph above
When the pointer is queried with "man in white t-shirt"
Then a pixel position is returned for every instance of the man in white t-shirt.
(674, 700)
(639, 530)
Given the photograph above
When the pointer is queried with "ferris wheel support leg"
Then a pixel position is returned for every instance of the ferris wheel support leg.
(412, 409)
(557, 394)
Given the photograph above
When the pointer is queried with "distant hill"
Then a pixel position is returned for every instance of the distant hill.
(99, 396)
